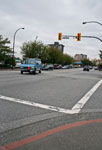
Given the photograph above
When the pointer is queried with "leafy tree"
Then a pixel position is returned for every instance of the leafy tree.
(46, 54)
(4, 49)
(55, 56)
(100, 54)
(87, 62)
(67, 59)
(100, 65)
(59, 59)
(35, 50)
(93, 63)
(5, 52)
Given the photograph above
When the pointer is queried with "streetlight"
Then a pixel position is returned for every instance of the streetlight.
(92, 22)
(14, 43)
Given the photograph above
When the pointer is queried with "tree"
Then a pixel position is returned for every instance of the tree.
(55, 56)
(100, 54)
(35, 50)
(5, 52)
(87, 62)
(94, 62)
(67, 59)
(46, 54)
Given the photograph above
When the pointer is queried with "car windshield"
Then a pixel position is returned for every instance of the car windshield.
(29, 61)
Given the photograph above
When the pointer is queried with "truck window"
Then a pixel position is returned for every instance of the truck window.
(29, 61)
(38, 62)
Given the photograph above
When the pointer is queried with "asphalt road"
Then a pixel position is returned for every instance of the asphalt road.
(67, 103)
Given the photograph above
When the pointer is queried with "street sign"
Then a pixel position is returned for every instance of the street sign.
(65, 37)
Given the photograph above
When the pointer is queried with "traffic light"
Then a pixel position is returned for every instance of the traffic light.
(78, 36)
(59, 36)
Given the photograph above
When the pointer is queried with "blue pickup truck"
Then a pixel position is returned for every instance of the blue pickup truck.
(31, 65)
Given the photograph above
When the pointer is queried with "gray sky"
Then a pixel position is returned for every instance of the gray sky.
(46, 18)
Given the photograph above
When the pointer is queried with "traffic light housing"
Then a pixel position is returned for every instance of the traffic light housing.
(78, 36)
(59, 36)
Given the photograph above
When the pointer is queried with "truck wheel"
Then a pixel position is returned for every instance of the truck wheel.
(39, 71)
(21, 72)
(34, 72)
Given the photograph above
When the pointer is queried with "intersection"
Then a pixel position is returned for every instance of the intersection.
(26, 100)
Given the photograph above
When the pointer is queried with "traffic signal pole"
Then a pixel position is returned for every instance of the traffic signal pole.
(68, 36)
(94, 37)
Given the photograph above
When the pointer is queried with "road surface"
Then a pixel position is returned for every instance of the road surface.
(60, 109)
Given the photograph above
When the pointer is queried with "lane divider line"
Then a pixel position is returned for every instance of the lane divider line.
(79, 105)
(75, 109)
(52, 108)
(29, 140)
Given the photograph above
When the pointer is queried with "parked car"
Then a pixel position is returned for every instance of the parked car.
(57, 66)
(86, 68)
(48, 67)
(31, 65)
(43, 66)
(90, 67)
(66, 67)
(71, 65)
(96, 68)
(100, 67)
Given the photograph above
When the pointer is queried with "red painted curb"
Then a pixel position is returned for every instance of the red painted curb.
(26, 141)
(2, 148)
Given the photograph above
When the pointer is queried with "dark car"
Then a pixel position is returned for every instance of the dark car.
(48, 67)
(86, 68)
(57, 66)
(100, 67)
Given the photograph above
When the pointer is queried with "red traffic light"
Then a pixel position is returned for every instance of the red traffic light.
(59, 36)
(78, 36)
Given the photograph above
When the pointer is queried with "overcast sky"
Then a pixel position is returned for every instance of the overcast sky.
(46, 18)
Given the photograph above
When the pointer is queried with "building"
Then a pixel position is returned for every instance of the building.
(57, 46)
(97, 61)
(78, 58)
(18, 62)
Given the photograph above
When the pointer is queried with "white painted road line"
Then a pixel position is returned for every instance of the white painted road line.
(75, 109)
(52, 108)
(79, 105)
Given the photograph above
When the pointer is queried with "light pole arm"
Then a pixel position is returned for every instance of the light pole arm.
(14, 43)
(14, 39)
(93, 22)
